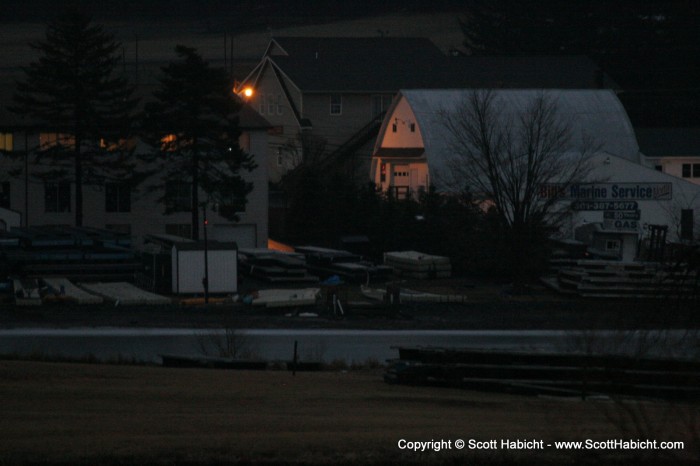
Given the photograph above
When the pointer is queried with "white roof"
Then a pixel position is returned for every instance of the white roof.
(591, 113)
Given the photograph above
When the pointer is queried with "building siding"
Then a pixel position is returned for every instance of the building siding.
(147, 216)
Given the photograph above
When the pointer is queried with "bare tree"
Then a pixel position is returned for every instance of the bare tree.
(230, 342)
(518, 161)
(305, 148)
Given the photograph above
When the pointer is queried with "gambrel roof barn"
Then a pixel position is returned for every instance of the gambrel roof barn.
(414, 132)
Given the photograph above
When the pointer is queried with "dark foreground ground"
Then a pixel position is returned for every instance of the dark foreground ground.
(77, 414)
(487, 307)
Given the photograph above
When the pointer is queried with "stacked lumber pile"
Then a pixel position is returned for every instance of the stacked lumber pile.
(614, 279)
(563, 374)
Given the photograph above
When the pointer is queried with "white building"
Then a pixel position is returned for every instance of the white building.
(413, 149)
(136, 212)
(675, 151)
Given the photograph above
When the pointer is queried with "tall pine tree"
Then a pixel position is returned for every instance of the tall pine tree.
(74, 91)
(193, 127)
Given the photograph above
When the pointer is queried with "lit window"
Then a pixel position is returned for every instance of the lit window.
(336, 104)
(167, 143)
(6, 142)
(57, 197)
(51, 140)
(124, 144)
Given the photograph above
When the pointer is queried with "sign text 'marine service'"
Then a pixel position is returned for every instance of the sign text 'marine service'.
(609, 191)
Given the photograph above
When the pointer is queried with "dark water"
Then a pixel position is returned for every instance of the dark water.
(273, 344)
(146, 344)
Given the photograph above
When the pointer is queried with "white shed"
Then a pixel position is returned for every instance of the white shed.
(188, 263)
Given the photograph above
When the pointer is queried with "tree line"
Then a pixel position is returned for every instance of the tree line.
(327, 208)
(190, 123)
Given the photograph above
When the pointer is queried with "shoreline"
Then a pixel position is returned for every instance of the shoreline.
(541, 313)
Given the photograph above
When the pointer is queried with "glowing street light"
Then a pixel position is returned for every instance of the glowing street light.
(248, 92)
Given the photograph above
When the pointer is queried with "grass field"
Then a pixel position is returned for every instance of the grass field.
(55, 413)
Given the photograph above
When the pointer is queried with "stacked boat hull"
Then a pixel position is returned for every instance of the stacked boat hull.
(413, 264)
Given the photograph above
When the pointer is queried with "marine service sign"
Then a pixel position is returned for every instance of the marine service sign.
(609, 191)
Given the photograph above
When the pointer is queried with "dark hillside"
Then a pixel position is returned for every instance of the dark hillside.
(246, 14)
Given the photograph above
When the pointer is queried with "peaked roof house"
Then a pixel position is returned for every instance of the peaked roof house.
(337, 89)
(675, 151)
(667, 125)
(334, 88)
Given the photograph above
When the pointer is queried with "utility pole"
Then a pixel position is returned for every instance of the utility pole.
(205, 280)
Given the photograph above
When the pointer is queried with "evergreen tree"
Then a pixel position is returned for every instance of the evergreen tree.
(193, 127)
(73, 91)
